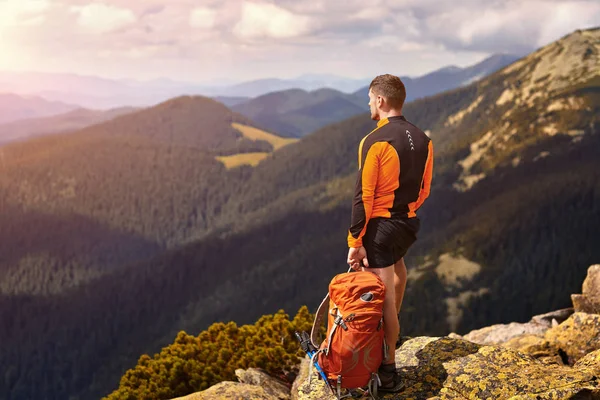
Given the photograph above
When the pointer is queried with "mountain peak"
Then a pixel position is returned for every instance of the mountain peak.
(568, 61)
(449, 69)
(188, 101)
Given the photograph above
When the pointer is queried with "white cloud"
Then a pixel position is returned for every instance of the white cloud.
(203, 17)
(103, 18)
(22, 12)
(567, 17)
(490, 22)
(265, 20)
(278, 37)
(509, 26)
(393, 43)
(370, 14)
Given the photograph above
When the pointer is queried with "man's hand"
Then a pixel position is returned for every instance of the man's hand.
(355, 256)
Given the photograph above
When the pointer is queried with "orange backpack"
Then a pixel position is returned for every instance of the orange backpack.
(354, 347)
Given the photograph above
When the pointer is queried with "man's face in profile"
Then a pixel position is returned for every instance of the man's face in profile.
(373, 105)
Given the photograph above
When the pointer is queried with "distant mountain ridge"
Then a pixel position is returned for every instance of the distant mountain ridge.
(448, 78)
(14, 107)
(101, 93)
(70, 121)
(296, 112)
(308, 82)
(95, 92)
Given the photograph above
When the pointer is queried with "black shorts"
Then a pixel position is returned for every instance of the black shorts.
(387, 240)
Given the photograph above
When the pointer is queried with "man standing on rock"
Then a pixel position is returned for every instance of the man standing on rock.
(395, 165)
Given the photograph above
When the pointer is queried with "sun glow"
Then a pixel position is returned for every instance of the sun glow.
(22, 13)
(16, 15)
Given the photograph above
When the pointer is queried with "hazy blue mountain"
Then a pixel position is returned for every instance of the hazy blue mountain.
(308, 82)
(231, 101)
(101, 93)
(70, 121)
(14, 107)
(96, 92)
(297, 112)
(449, 77)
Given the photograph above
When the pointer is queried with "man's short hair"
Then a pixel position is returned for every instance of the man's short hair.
(390, 87)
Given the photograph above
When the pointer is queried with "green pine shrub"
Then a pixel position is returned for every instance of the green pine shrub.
(194, 363)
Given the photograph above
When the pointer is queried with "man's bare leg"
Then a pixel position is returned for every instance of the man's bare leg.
(399, 286)
(399, 282)
(390, 316)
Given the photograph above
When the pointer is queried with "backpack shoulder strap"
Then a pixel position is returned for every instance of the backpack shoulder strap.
(320, 318)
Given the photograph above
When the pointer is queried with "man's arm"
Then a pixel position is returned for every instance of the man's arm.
(364, 195)
(427, 176)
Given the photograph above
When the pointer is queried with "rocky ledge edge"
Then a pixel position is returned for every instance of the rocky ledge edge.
(553, 356)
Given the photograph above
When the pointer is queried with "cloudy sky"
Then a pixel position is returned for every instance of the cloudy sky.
(204, 40)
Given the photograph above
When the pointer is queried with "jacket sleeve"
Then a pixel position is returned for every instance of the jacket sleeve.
(364, 194)
(427, 176)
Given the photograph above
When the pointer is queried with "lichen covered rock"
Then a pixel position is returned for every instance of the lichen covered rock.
(305, 390)
(554, 356)
(272, 386)
(421, 364)
(254, 384)
(496, 372)
(591, 361)
(536, 347)
(230, 391)
(444, 368)
(577, 336)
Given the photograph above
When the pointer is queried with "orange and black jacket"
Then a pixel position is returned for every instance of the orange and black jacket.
(395, 165)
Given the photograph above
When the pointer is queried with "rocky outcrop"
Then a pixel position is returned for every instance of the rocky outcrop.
(447, 368)
(589, 300)
(537, 347)
(501, 333)
(496, 372)
(273, 387)
(254, 384)
(577, 336)
(553, 356)
(230, 390)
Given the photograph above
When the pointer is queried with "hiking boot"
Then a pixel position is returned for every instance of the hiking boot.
(390, 379)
